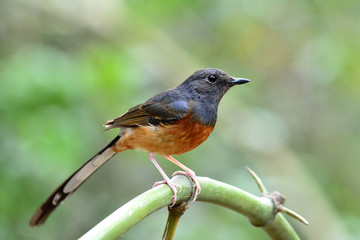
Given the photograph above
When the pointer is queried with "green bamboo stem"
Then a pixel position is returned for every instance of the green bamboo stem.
(138, 208)
(174, 216)
(259, 210)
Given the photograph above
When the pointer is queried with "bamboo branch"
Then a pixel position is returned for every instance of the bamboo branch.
(259, 210)
(138, 208)
(174, 216)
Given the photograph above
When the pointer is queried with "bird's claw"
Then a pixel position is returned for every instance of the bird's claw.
(193, 177)
(173, 187)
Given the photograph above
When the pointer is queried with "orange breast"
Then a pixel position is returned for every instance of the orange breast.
(174, 139)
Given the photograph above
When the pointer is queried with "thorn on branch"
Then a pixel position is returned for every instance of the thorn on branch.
(278, 201)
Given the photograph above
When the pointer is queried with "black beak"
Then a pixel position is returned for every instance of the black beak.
(238, 81)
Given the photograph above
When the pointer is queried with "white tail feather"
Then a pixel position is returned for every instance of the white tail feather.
(88, 169)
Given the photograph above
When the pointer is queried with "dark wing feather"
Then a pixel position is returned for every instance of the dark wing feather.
(155, 111)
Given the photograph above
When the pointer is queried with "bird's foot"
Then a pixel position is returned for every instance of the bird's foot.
(193, 177)
(173, 187)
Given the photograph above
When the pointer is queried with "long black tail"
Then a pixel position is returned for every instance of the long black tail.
(72, 183)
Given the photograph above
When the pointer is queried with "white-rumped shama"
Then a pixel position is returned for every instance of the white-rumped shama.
(170, 123)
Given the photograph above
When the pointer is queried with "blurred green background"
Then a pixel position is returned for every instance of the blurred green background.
(66, 67)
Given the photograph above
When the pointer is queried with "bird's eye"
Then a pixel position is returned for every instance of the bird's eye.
(212, 78)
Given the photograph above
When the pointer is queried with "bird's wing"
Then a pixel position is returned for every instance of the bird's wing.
(156, 111)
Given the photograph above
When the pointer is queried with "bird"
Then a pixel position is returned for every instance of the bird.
(172, 122)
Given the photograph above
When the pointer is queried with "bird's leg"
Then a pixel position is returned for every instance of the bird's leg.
(187, 172)
(167, 180)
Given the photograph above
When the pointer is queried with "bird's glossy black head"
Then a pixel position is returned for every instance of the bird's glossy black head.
(211, 83)
(204, 90)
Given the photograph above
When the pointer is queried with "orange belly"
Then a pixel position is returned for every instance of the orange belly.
(174, 139)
